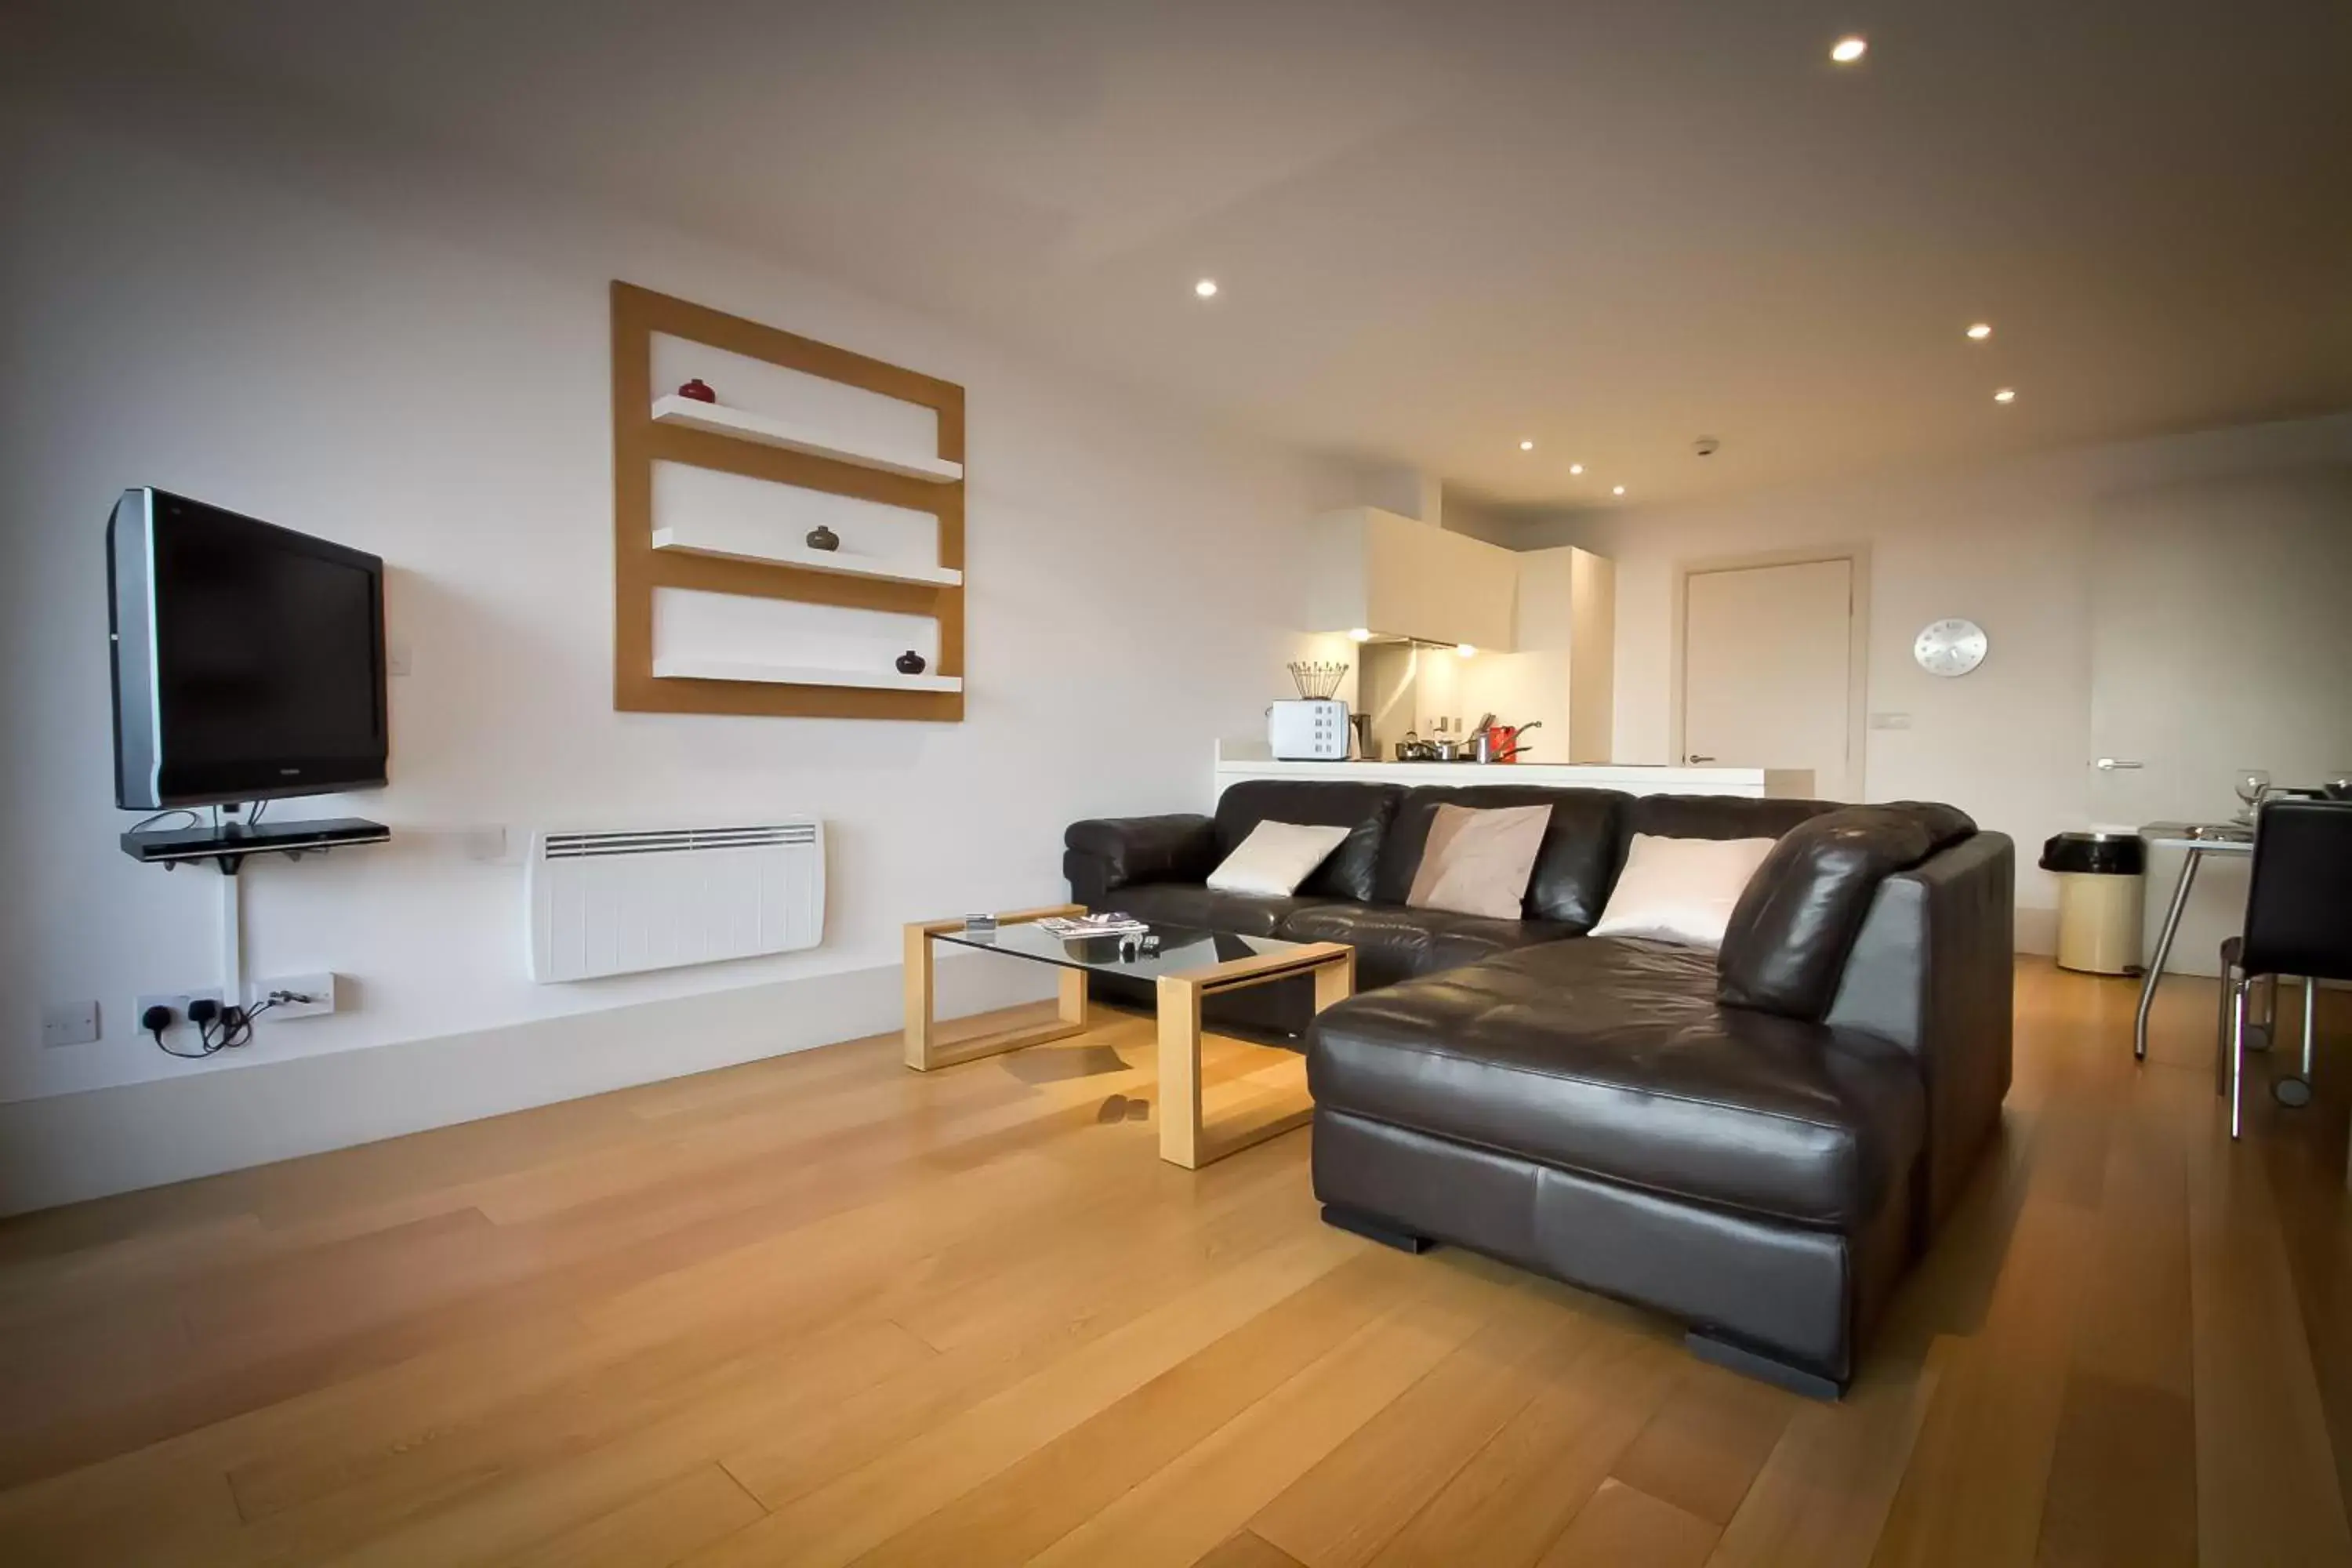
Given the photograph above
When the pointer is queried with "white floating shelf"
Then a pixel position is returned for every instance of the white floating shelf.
(684, 668)
(721, 420)
(701, 540)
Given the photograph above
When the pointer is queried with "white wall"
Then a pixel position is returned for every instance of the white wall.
(411, 357)
(2014, 547)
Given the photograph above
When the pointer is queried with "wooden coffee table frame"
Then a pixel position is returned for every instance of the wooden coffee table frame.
(1186, 1139)
(925, 1050)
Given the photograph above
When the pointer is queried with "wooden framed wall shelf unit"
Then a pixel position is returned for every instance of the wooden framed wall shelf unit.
(839, 475)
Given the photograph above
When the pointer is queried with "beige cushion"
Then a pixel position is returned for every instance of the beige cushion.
(1479, 862)
(1681, 889)
(1275, 858)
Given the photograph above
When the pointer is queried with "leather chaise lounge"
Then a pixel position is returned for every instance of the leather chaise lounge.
(1756, 1141)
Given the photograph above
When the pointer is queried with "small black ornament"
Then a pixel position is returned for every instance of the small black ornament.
(911, 663)
(822, 537)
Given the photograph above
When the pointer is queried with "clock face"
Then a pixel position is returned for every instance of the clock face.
(1951, 648)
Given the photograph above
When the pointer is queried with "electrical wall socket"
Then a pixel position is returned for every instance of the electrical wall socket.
(319, 988)
(177, 1000)
(68, 1023)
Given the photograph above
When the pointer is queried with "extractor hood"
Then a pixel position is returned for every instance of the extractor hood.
(1375, 571)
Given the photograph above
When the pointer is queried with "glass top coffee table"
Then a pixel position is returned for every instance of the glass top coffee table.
(1190, 965)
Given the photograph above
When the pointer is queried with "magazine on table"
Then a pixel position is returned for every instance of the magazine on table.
(1071, 928)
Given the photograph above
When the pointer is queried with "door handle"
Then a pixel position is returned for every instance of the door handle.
(2109, 764)
(1695, 759)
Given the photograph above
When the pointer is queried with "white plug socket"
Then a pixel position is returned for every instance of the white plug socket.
(316, 992)
(177, 1002)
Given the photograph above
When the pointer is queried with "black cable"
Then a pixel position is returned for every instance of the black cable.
(234, 1028)
(194, 819)
(203, 1034)
(237, 1023)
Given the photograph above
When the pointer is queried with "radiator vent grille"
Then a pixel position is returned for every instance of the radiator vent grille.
(632, 900)
(574, 846)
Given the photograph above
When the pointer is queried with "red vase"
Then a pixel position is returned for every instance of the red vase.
(698, 391)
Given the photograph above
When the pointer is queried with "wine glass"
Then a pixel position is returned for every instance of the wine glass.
(2252, 784)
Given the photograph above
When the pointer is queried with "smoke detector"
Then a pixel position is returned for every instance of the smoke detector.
(1707, 446)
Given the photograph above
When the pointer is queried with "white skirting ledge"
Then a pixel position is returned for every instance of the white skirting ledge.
(69, 1147)
(2036, 930)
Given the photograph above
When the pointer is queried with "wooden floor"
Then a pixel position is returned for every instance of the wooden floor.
(822, 1311)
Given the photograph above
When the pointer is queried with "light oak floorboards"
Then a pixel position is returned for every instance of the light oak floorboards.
(822, 1310)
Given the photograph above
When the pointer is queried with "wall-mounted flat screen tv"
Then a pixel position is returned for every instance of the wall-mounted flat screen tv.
(248, 660)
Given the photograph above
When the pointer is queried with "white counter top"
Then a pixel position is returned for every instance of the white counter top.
(1235, 762)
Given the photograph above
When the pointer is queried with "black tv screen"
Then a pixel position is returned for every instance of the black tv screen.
(248, 660)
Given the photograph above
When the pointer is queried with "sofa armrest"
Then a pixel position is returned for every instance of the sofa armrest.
(1934, 969)
(1103, 855)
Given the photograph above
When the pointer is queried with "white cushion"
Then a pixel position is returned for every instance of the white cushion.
(1276, 858)
(1681, 889)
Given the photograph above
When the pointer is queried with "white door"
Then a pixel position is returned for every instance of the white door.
(1767, 671)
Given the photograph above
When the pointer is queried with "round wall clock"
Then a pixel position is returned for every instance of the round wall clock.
(1951, 648)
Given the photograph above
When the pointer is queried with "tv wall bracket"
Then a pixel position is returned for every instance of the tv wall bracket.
(228, 845)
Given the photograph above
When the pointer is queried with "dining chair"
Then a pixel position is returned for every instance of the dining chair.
(2298, 923)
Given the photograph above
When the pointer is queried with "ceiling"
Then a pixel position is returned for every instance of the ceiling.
(1439, 231)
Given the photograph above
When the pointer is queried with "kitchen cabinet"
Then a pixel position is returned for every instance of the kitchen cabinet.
(1543, 623)
(1561, 669)
(1400, 578)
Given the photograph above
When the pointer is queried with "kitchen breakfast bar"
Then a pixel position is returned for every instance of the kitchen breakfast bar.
(1245, 759)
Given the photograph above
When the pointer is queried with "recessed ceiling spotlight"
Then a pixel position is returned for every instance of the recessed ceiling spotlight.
(1359, 633)
(1981, 331)
(1206, 288)
(2006, 394)
(1617, 491)
(1848, 49)
(1526, 445)
(1576, 468)
(1466, 651)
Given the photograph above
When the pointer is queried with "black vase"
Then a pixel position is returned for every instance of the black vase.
(822, 537)
(911, 663)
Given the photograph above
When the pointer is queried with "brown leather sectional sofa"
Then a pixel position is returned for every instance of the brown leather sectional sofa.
(1757, 1142)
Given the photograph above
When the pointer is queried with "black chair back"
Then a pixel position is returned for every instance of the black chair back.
(2299, 907)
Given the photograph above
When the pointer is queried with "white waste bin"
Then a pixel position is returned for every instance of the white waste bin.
(2102, 879)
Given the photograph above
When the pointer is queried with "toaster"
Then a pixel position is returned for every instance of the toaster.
(1307, 730)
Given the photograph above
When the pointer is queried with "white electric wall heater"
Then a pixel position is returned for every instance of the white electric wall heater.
(617, 903)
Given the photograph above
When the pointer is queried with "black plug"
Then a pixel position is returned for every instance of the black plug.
(202, 1012)
(155, 1020)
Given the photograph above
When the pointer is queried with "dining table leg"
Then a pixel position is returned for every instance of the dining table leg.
(2310, 1019)
(2163, 950)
